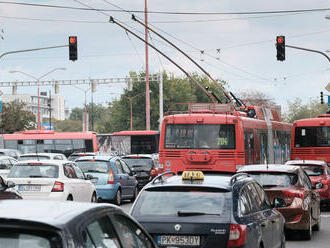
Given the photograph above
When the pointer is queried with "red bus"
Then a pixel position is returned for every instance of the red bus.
(129, 142)
(33, 141)
(216, 137)
(311, 139)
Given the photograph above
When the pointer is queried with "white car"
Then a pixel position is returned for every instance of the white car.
(42, 156)
(52, 180)
(6, 163)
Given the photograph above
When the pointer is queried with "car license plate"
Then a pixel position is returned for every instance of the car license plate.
(29, 187)
(179, 240)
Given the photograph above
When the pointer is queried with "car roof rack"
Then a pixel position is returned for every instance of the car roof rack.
(236, 177)
(161, 177)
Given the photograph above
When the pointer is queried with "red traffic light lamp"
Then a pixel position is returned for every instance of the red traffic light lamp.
(280, 47)
(73, 48)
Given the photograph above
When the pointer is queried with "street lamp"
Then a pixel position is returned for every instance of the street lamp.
(85, 114)
(130, 99)
(38, 81)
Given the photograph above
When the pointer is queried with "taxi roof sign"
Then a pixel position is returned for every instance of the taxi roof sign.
(192, 175)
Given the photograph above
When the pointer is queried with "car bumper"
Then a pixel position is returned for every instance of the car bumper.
(107, 191)
(324, 193)
(296, 218)
(53, 196)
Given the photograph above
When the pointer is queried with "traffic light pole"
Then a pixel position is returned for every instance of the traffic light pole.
(30, 50)
(309, 50)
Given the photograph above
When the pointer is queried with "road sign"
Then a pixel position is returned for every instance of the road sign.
(328, 101)
(328, 87)
(0, 106)
(46, 126)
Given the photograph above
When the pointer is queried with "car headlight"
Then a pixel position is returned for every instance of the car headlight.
(319, 185)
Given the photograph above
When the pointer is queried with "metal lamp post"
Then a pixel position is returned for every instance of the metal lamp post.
(38, 80)
(85, 109)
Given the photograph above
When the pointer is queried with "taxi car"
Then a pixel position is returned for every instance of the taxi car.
(69, 224)
(319, 174)
(290, 190)
(52, 180)
(197, 210)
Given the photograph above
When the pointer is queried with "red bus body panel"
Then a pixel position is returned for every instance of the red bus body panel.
(310, 153)
(226, 160)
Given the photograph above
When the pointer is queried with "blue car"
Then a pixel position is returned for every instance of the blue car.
(114, 181)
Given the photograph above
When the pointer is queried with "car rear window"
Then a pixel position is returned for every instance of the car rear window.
(19, 239)
(25, 158)
(313, 170)
(138, 162)
(33, 170)
(168, 201)
(93, 166)
(268, 179)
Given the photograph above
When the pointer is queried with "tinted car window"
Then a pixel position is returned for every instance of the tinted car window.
(18, 239)
(244, 203)
(264, 199)
(118, 167)
(313, 170)
(125, 167)
(139, 162)
(168, 201)
(79, 173)
(69, 171)
(100, 233)
(30, 171)
(25, 158)
(93, 166)
(255, 200)
(275, 179)
(5, 164)
(130, 234)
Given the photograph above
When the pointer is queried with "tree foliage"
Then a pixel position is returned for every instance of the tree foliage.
(176, 90)
(256, 98)
(14, 118)
(68, 126)
(297, 110)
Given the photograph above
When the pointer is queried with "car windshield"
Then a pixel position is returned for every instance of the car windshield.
(200, 136)
(138, 162)
(183, 201)
(33, 157)
(32, 170)
(93, 166)
(275, 179)
(18, 239)
(313, 170)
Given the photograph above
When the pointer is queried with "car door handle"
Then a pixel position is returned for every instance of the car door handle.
(264, 224)
(274, 221)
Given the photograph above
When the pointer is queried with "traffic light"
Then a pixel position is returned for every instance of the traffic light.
(322, 101)
(280, 47)
(73, 51)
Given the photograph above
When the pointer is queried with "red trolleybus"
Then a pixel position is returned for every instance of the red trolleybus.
(129, 142)
(32, 141)
(311, 139)
(215, 137)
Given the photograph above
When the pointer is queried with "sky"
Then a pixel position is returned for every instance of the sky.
(237, 48)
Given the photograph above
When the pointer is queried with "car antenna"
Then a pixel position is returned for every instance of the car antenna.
(224, 92)
(210, 96)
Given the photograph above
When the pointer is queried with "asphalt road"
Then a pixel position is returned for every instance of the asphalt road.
(320, 239)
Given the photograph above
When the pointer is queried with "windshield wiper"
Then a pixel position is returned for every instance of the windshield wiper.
(95, 171)
(271, 185)
(35, 176)
(186, 213)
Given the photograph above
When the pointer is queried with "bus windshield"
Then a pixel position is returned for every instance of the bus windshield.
(312, 137)
(200, 136)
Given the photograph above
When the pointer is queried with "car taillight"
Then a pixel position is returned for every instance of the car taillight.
(293, 193)
(111, 179)
(237, 235)
(58, 187)
(153, 172)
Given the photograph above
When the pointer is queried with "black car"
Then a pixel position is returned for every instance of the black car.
(208, 211)
(51, 224)
(7, 190)
(143, 166)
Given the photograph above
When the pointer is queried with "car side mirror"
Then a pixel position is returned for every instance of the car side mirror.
(10, 184)
(318, 186)
(132, 173)
(91, 178)
(278, 203)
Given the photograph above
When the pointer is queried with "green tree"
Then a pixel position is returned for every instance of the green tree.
(297, 110)
(176, 90)
(68, 126)
(14, 117)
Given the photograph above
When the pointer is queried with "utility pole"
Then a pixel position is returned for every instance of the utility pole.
(161, 108)
(147, 67)
(50, 109)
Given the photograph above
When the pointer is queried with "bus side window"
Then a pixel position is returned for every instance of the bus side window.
(89, 145)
